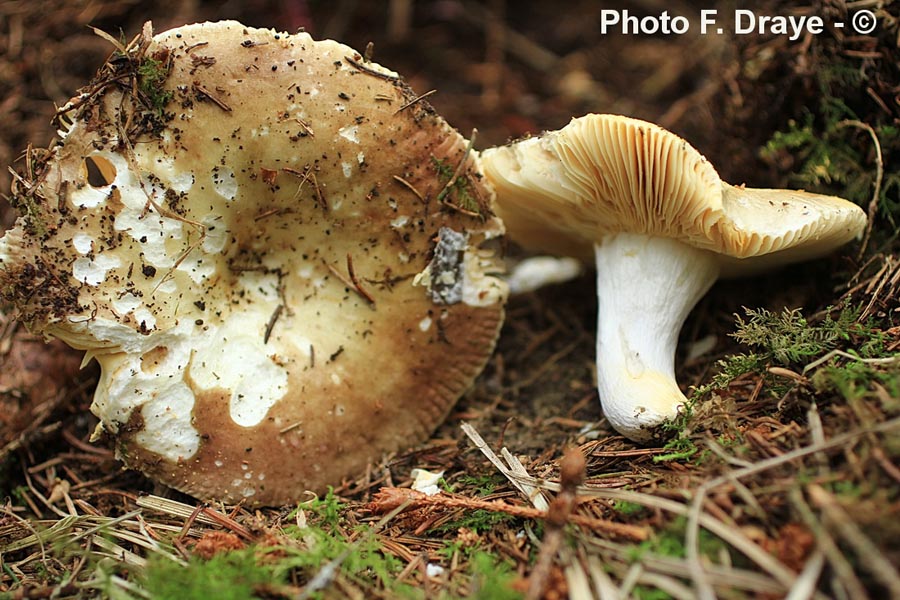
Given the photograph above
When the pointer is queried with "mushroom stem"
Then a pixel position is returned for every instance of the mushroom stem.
(646, 286)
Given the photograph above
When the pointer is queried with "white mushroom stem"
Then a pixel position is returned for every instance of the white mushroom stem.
(646, 286)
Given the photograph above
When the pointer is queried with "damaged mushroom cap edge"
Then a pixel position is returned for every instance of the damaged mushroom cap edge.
(257, 237)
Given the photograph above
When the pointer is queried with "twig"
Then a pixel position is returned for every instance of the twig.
(886, 361)
(369, 71)
(415, 100)
(306, 126)
(172, 508)
(571, 475)
(351, 282)
(320, 197)
(410, 187)
(355, 281)
(389, 497)
(211, 97)
(733, 578)
(879, 176)
(271, 324)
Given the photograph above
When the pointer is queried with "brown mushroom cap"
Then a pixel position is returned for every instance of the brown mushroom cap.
(273, 252)
(601, 174)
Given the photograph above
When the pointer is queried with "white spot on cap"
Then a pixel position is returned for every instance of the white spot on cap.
(142, 315)
(89, 197)
(182, 182)
(350, 133)
(425, 324)
(198, 267)
(216, 234)
(82, 242)
(152, 232)
(125, 304)
(399, 222)
(347, 168)
(224, 182)
(165, 169)
(167, 423)
(93, 271)
(234, 358)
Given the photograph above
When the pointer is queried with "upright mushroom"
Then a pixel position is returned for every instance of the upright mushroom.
(272, 247)
(663, 227)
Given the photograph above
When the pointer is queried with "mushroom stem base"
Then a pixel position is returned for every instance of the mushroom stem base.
(646, 286)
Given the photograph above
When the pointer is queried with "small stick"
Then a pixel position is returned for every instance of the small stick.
(267, 213)
(415, 100)
(571, 475)
(351, 282)
(369, 70)
(271, 324)
(355, 281)
(410, 187)
(388, 498)
(320, 198)
(290, 427)
(879, 176)
(211, 97)
(306, 126)
(459, 209)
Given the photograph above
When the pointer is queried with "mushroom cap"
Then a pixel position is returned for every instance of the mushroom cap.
(601, 174)
(273, 251)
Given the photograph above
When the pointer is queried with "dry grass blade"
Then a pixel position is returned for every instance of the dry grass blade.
(868, 555)
(173, 508)
(695, 519)
(725, 577)
(805, 587)
(517, 475)
(845, 575)
(879, 177)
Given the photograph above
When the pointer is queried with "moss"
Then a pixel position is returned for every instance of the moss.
(234, 575)
(151, 77)
(456, 187)
(479, 521)
(492, 578)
